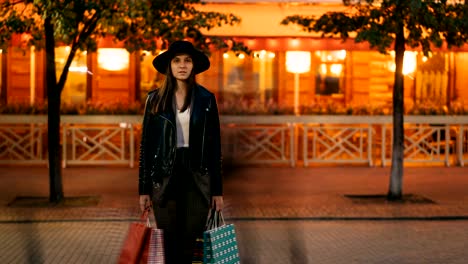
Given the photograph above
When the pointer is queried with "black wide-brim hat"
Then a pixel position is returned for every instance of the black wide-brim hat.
(201, 62)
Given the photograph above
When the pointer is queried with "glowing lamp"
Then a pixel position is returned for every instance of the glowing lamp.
(297, 62)
(112, 59)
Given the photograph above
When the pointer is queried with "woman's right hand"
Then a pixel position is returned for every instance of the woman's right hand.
(145, 202)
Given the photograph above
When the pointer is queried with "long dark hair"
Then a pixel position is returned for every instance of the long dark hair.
(165, 94)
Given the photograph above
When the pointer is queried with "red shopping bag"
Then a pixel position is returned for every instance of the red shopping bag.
(135, 246)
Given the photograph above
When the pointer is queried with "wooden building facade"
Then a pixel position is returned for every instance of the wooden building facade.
(334, 71)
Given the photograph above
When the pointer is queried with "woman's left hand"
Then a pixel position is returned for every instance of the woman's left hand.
(217, 203)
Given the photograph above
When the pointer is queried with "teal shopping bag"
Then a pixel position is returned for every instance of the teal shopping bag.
(220, 243)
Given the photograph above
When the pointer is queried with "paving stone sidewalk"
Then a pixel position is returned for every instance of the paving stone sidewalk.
(279, 215)
(251, 193)
(321, 193)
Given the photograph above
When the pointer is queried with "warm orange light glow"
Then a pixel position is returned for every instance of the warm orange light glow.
(409, 62)
(341, 55)
(272, 43)
(323, 69)
(113, 59)
(331, 56)
(336, 69)
(295, 42)
(298, 61)
(81, 69)
(250, 42)
(264, 55)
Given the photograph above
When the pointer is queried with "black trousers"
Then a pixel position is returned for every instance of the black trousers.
(183, 217)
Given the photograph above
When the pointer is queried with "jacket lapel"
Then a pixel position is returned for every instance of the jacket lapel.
(169, 115)
(196, 107)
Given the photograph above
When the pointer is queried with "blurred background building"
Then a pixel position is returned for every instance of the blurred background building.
(326, 69)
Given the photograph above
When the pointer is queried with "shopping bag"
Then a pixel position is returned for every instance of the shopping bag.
(134, 248)
(220, 243)
(156, 247)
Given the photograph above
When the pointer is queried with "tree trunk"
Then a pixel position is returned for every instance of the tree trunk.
(53, 117)
(396, 178)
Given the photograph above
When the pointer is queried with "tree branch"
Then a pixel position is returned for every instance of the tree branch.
(15, 3)
(84, 34)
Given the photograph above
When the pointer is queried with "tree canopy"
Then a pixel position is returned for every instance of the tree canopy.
(427, 23)
(138, 24)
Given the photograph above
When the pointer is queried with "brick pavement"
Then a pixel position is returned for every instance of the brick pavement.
(94, 234)
(319, 193)
(61, 242)
(253, 192)
(359, 242)
(260, 242)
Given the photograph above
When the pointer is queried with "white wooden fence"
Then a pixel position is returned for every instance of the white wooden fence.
(289, 140)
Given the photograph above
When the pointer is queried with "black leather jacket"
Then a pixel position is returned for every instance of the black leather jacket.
(159, 142)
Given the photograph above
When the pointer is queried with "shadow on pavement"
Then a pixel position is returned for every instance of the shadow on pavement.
(32, 242)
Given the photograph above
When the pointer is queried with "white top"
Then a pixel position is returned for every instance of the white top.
(183, 125)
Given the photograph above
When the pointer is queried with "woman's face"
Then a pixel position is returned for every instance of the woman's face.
(181, 66)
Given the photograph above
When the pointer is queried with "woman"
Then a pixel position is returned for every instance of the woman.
(180, 151)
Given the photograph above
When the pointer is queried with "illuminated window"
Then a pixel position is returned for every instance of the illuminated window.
(329, 74)
(263, 74)
(234, 75)
(1, 74)
(248, 77)
(74, 91)
(150, 78)
(431, 77)
(409, 62)
(460, 91)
